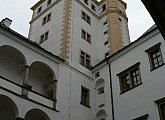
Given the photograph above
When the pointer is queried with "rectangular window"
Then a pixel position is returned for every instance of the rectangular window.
(106, 54)
(104, 7)
(49, 2)
(85, 59)
(93, 7)
(144, 117)
(105, 22)
(161, 108)
(86, 36)
(155, 56)
(86, 2)
(105, 32)
(39, 9)
(46, 19)
(85, 96)
(85, 17)
(44, 37)
(130, 78)
(105, 43)
(97, 75)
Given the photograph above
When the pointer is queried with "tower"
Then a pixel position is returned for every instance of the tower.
(82, 32)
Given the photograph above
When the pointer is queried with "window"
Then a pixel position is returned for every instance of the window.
(39, 9)
(120, 19)
(155, 56)
(101, 90)
(49, 2)
(93, 7)
(97, 75)
(144, 117)
(105, 43)
(85, 59)
(105, 32)
(86, 2)
(86, 36)
(104, 7)
(44, 37)
(85, 96)
(161, 108)
(105, 22)
(130, 78)
(85, 17)
(46, 19)
(107, 54)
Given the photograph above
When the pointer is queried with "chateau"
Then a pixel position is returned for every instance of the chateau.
(78, 64)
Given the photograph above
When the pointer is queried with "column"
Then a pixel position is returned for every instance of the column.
(26, 87)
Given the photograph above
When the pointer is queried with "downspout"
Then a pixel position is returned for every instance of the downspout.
(111, 89)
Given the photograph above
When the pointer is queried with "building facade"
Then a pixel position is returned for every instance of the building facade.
(61, 73)
(67, 27)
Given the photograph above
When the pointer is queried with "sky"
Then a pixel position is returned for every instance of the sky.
(20, 13)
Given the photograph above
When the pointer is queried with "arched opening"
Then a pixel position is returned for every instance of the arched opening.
(101, 115)
(36, 114)
(12, 63)
(8, 109)
(42, 79)
(99, 85)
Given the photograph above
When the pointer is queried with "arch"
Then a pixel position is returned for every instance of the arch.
(8, 109)
(100, 83)
(12, 63)
(36, 114)
(42, 78)
(101, 114)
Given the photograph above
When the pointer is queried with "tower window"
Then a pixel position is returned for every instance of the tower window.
(105, 32)
(44, 37)
(106, 54)
(39, 9)
(46, 19)
(105, 22)
(93, 7)
(86, 2)
(49, 2)
(85, 59)
(86, 36)
(104, 7)
(106, 43)
(85, 17)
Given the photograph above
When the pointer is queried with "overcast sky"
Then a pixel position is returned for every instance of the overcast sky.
(19, 11)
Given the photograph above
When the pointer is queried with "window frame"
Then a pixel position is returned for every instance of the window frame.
(39, 10)
(130, 78)
(86, 57)
(86, 36)
(46, 19)
(49, 2)
(86, 17)
(87, 97)
(159, 103)
(151, 51)
(44, 37)
(86, 2)
(93, 7)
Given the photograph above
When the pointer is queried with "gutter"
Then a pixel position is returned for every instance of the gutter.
(111, 88)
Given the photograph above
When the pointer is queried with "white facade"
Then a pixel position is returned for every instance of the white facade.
(96, 49)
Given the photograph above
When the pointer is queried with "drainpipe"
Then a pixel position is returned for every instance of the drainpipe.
(111, 89)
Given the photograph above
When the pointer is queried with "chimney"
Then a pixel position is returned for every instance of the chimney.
(7, 22)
